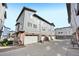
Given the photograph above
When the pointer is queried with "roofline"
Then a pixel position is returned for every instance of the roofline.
(11, 31)
(6, 27)
(63, 27)
(17, 24)
(53, 24)
(68, 5)
(25, 8)
(35, 15)
(4, 4)
(29, 9)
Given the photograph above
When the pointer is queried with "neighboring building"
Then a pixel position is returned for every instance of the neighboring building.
(5, 33)
(73, 17)
(11, 35)
(3, 7)
(63, 33)
(31, 28)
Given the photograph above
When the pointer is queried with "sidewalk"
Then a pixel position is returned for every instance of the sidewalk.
(60, 40)
(8, 48)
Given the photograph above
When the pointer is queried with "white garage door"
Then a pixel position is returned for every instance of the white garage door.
(30, 39)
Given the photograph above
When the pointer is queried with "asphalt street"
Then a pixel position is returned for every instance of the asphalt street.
(51, 48)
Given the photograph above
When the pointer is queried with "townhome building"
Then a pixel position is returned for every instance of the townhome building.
(12, 35)
(73, 18)
(63, 33)
(5, 33)
(3, 7)
(31, 28)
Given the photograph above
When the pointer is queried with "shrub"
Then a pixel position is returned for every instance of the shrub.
(4, 42)
(10, 42)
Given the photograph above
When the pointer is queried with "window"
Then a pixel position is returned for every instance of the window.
(77, 8)
(0, 21)
(43, 28)
(61, 32)
(30, 15)
(49, 30)
(29, 24)
(21, 26)
(78, 12)
(18, 26)
(75, 11)
(34, 25)
(5, 15)
(77, 28)
(58, 32)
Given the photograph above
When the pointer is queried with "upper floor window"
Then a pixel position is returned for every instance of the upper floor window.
(0, 21)
(78, 12)
(30, 15)
(34, 25)
(60, 32)
(29, 24)
(43, 28)
(49, 30)
(5, 15)
(78, 28)
(77, 8)
(75, 11)
(21, 26)
(18, 26)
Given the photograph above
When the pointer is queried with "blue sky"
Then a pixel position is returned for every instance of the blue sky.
(52, 12)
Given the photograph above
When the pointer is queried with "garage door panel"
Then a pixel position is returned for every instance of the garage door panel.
(30, 39)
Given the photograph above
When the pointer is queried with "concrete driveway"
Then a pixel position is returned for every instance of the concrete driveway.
(52, 48)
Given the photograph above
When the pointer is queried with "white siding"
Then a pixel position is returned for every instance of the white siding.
(39, 23)
(42, 27)
(30, 39)
(73, 17)
(2, 11)
(30, 19)
(52, 30)
(34, 26)
(21, 21)
(45, 28)
(77, 21)
(63, 31)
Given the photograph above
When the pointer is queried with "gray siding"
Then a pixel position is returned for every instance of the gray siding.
(2, 18)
